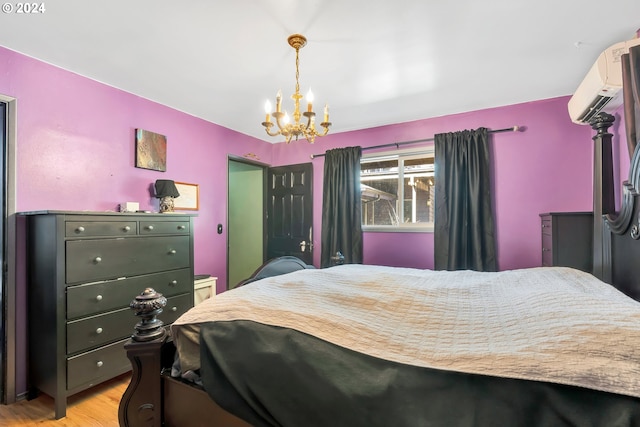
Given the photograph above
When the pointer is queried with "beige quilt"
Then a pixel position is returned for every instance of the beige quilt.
(549, 324)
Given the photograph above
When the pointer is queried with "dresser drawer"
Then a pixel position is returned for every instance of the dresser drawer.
(94, 367)
(90, 332)
(175, 307)
(100, 228)
(93, 298)
(94, 331)
(101, 259)
(167, 227)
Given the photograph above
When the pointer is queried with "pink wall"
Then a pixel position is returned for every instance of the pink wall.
(548, 167)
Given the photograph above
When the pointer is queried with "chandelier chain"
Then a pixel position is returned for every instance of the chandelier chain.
(297, 70)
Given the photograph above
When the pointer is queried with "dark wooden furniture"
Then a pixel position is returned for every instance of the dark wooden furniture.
(147, 402)
(156, 400)
(83, 269)
(567, 240)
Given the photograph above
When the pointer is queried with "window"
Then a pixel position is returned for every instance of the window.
(397, 191)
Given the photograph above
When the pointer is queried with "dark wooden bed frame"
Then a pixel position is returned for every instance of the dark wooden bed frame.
(160, 400)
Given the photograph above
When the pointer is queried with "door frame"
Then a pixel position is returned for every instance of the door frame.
(9, 247)
(265, 168)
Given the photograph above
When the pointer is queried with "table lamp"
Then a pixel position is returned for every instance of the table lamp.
(166, 191)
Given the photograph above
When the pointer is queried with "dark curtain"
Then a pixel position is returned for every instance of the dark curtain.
(464, 232)
(341, 206)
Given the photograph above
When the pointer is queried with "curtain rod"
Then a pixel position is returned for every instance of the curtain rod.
(398, 144)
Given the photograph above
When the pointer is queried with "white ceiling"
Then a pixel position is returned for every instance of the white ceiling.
(374, 62)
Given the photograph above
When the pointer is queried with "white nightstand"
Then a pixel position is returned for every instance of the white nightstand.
(203, 289)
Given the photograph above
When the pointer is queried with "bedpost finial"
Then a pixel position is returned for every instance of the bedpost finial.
(602, 122)
(147, 306)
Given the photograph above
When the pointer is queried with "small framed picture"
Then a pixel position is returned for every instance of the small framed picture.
(189, 198)
(151, 150)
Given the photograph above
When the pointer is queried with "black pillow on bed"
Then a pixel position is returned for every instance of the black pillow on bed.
(276, 267)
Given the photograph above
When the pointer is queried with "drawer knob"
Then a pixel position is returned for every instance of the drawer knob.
(127, 228)
(545, 250)
(174, 282)
(172, 252)
(174, 308)
(149, 227)
(80, 229)
(99, 364)
(181, 227)
(99, 298)
(99, 331)
(97, 259)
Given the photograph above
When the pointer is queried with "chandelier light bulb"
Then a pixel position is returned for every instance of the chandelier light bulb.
(278, 100)
(310, 101)
(267, 110)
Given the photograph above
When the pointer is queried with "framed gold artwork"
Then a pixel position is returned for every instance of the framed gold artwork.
(151, 150)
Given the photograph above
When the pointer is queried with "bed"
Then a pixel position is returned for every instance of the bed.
(359, 345)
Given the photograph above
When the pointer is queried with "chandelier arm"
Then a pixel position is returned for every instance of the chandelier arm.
(325, 125)
(268, 129)
(309, 115)
(278, 117)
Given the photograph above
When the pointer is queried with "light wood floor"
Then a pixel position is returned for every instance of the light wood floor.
(96, 407)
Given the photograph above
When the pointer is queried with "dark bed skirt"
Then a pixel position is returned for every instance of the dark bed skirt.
(272, 376)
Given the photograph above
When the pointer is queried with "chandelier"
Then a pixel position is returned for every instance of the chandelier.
(296, 129)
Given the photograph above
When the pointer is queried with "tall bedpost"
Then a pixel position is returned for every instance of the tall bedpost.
(141, 404)
(603, 194)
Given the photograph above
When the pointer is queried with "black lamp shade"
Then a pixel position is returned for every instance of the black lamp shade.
(166, 187)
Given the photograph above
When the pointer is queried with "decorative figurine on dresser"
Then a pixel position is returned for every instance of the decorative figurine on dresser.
(83, 268)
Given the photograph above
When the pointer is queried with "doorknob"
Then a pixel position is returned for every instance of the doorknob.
(303, 246)
(310, 240)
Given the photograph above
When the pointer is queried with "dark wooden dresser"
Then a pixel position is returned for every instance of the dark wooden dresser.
(567, 240)
(84, 268)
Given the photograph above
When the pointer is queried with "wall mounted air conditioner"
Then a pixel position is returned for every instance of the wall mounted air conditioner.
(601, 89)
